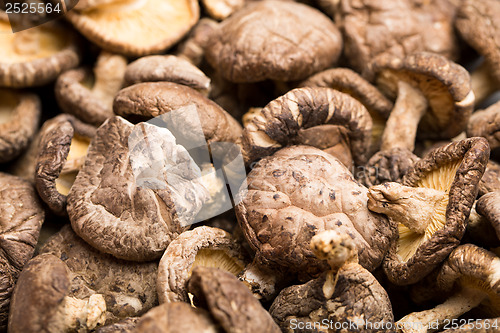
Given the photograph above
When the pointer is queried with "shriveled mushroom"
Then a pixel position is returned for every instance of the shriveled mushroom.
(61, 154)
(320, 117)
(202, 246)
(488, 206)
(486, 123)
(19, 120)
(275, 40)
(221, 9)
(137, 27)
(345, 294)
(491, 178)
(430, 207)
(36, 56)
(229, 302)
(89, 96)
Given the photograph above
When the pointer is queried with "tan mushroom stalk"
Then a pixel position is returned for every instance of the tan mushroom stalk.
(430, 207)
(470, 274)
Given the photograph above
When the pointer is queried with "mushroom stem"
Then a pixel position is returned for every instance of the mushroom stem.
(109, 73)
(430, 320)
(261, 280)
(79, 313)
(401, 127)
(483, 83)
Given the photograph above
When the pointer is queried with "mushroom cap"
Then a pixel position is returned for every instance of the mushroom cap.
(281, 122)
(166, 68)
(137, 28)
(192, 249)
(36, 56)
(193, 46)
(277, 40)
(491, 178)
(19, 120)
(486, 123)
(489, 206)
(456, 169)
(445, 84)
(115, 214)
(229, 301)
(54, 149)
(301, 191)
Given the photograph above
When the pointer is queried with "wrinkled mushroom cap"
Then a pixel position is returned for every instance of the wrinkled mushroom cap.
(491, 178)
(136, 28)
(486, 123)
(489, 207)
(276, 40)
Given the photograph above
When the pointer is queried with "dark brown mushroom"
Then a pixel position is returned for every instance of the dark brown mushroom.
(488, 206)
(275, 40)
(491, 178)
(486, 123)
(193, 47)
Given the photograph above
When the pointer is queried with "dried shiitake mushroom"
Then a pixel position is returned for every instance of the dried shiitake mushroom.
(486, 123)
(123, 326)
(346, 293)
(19, 120)
(36, 56)
(277, 40)
(430, 207)
(221, 9)
(61, 154)
(202, 246)
(229, 302)
(136, 27)
(491, 179)
(299, 116)
(89, 96)
(72, 287)
(488, 206)
(193, 47)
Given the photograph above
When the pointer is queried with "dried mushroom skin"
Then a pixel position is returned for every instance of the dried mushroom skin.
(89, 96)
(346, 294)
(299, 192)
(21, 218)
(488, 206)
(19, 120)
(36, 56)
(229, 302)
(277, 40)
(62, 149)
(120, 26)
(287, 119)
(430, 207)
(202, 246)
(166, 68)
(176, 317)
(116, 214)
(491, 178)
(486, 123)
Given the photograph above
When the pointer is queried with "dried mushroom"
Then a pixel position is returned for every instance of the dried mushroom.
(486, 123)
(221, 9)
(202, 246)
(61, 154)
(89, 96)
(137, 27)
(320, 117)
(301, 191)
(19, 120)
(123, 326)
(430, 207)
(193, 47)
(345, 294)
(36, 56)
(229, 302)
(488, 206)
(72, 287)
(277, 40)
(491, 178)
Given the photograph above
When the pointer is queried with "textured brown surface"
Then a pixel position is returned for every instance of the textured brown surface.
(489, 207)
(193, 46)
(486, 123)
(123, 326)
(491, 178)
(275, 40)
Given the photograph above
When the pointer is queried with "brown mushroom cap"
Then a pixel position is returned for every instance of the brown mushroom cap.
(36, 56)
(136, 28)
(486, 123)
(229, 301)
(62, 149)
(166, 68)
(433, 202)
(193, 47)
(276, 40)
(298, 192)
(489, 207)
(284, 120)
(19, 120)
(202, 246)
(89, 96)
(491, 178)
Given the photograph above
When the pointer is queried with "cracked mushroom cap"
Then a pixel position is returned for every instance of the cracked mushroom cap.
(19, 120)
(202, 246)
(346, 293)
(61, 153)
(166, 68)
(21, 220)
(138, 27)
(118, 207)
(229, 302)
(89, 96)
(301, 191)
(36, 56)
(277, 40)
(488, 206)
(430, 207)
(297, 117)
(486, 123)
